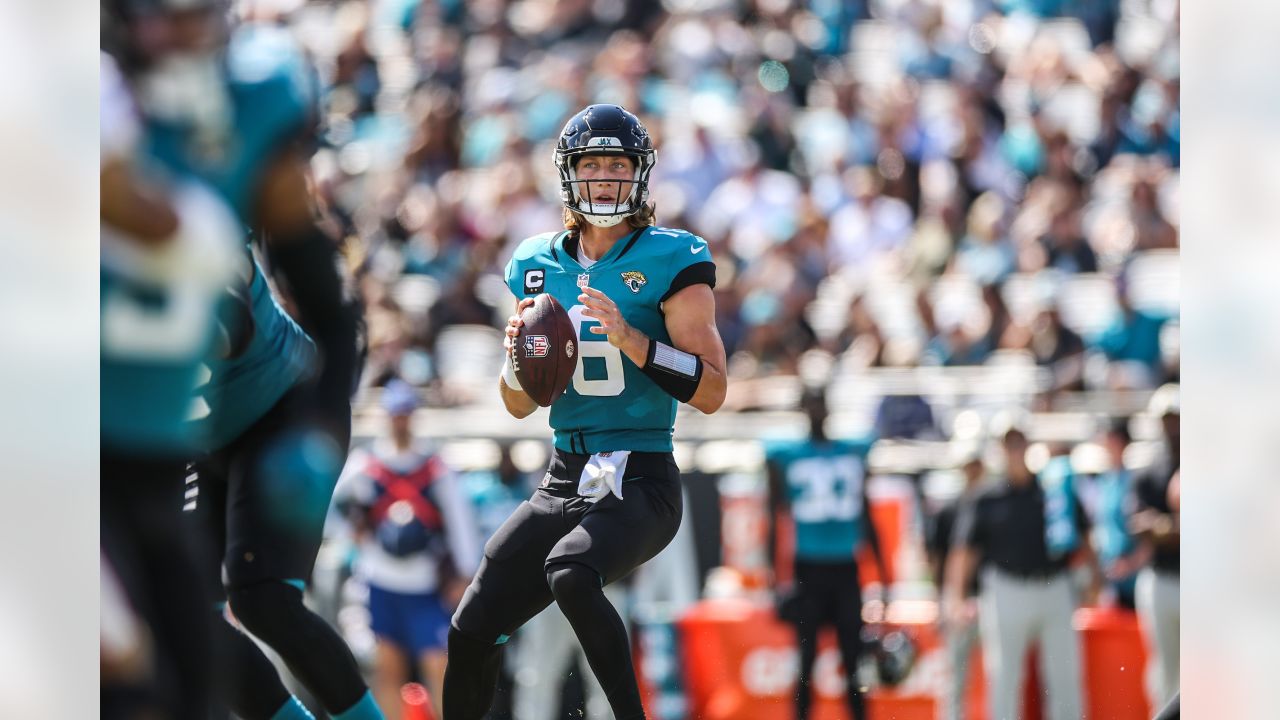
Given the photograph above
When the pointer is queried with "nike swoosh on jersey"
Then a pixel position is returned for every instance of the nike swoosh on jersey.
(698, 249)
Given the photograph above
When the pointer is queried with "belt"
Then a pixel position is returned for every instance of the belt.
(567, 467)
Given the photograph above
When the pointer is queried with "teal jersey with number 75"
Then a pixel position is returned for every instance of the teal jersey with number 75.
(610, 404)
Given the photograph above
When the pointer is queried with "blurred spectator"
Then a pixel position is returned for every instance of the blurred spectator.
(1151, 230)
(984, 253)
(867, 224)
(904, 416)
(417, 552)
(861, 338)
(459, 305)
(959, 341)
(435, 147)
(999, 317)
(1132, 343)
(389, 334)
(355, 82)
(1052, 344)
(1157, 525)
(1064, 246)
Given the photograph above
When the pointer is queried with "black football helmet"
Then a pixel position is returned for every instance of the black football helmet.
(138, 33)
(893, 651)
(605, 129)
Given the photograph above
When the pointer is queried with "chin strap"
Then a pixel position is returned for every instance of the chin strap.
(606, 221)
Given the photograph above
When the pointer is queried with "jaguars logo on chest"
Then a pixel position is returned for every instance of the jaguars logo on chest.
(634, 280)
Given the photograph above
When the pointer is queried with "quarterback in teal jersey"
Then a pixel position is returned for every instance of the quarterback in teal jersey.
(640, 298)
(234, 108)
(821, 483)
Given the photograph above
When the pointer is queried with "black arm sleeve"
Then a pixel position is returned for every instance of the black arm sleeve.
(697, 273)
(308, 263)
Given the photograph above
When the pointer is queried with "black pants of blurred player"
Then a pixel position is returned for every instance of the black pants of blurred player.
(558, 546)
(157, 561)
(262, 502)
(827, 594)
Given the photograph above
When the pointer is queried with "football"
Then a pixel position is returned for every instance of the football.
(546, 350)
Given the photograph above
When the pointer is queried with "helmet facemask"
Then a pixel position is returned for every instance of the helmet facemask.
(631, 194)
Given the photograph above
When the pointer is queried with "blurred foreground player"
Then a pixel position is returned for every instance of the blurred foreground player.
(168, 246)
(235, 108)
(640, 299)
(821, 483)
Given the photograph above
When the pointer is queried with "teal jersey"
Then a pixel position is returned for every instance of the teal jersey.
(824, 486)
(239, 391)
(154, 337)
(270, 93)
(1111, 519)
(157, 302)
(610, 404)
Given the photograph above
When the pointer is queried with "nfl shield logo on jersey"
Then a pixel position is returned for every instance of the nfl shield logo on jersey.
(536, 346)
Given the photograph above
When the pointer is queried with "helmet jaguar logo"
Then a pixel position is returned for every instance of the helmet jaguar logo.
(634, 280)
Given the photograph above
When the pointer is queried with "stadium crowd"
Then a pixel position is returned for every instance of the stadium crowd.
(891, 182)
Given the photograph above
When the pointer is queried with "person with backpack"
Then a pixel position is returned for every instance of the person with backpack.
(418, 548)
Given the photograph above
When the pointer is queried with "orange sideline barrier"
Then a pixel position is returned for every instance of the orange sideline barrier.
(1115, 661)
(739, 663)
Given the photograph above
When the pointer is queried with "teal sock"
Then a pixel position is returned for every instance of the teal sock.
(293, 710)
(364, 709)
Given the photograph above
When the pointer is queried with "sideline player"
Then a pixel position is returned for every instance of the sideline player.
(235, 108)
(822, 483)
(640, 297)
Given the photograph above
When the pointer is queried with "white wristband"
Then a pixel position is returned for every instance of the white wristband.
(509, 376)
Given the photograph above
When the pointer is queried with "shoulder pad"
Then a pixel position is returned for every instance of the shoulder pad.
(536, 245)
